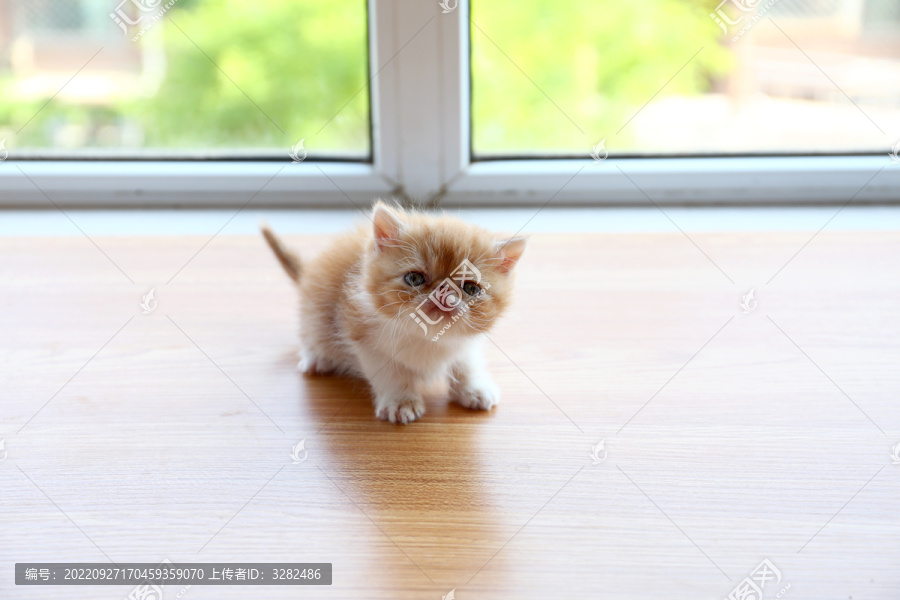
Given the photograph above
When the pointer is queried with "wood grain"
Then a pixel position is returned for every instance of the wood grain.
(729, 437)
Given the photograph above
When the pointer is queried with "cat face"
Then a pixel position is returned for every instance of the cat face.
(428, 272)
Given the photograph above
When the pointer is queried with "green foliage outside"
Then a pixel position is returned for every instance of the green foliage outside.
(300, 61)
(598, 60)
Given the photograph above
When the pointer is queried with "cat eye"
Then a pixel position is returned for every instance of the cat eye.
(414, 278)
(471, 288)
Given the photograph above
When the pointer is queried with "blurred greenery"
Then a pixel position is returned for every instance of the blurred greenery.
(297, 61)
(598, 60)
(300, 61)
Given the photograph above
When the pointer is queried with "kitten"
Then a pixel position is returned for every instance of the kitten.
(401, 302)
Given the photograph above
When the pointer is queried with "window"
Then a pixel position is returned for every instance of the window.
(696, 102)
(685, 77)
(184, 78)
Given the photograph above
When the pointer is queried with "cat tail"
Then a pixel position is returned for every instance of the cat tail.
(289, 260)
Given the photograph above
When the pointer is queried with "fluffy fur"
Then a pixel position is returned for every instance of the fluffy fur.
(357, 310)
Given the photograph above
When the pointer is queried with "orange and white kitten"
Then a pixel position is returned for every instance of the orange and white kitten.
(402, 303)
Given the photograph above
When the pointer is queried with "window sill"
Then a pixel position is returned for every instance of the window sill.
(681, 181)
(744, 181)
(188, 184)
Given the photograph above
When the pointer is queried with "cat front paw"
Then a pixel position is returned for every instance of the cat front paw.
(477, 395)
(400, 410)
(310, 364)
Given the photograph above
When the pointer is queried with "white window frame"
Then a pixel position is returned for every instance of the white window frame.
(419, 61)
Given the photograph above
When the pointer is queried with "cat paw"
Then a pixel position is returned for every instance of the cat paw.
(480, 395)
(402, 410)
(310, 364)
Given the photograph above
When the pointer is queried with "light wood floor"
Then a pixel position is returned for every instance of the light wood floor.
(729, 438)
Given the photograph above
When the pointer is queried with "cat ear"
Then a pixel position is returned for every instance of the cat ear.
(509, 252)
(387, 225)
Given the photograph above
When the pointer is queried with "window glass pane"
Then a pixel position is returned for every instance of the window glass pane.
(184, 77)
(663, 76)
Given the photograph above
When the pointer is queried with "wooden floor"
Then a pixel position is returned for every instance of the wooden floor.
(728, 438)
